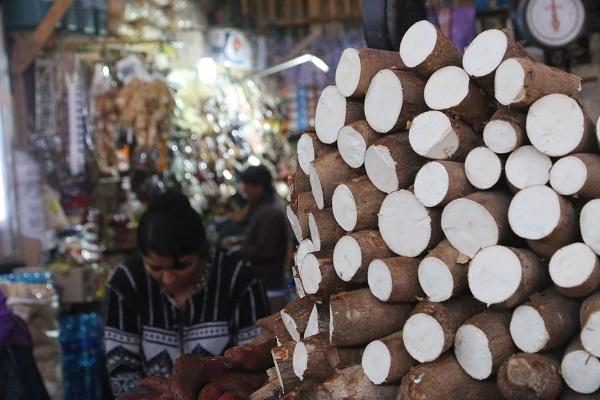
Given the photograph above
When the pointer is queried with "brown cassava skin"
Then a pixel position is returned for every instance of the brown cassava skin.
(330, 281)
(256, 358)
(308, 390)
(405, 279)
(413, 102)
(542, 80)
(530, 377)
(473, 109)
(444, 54)
(344, 357)
(352, 383)
(328, 229)
(318, 367)
(319, 147)
(591, 187)
(283, 359)
(368, 200)
(230, 396)
(586, 288)
(451, 257)
(565, 233)
(458, 184)
(450, 315)
(497, 203)
(270, 391)
(407, 161)
(241, 384)
(367, 133)
(355, 111)
(559, 314)
(444, 379)
(534, 278)
(301, 181)
(157, 384)
(513, 50)
(280, 330)
(268, 322)
(495, 325)
(401, 361)
(516, 119)
(359, 308)
(299, 310)
(589, 306)
(468, 139)
(210, 392)
(372, 246)
(332, 170)
(371, 62)
(191, 373)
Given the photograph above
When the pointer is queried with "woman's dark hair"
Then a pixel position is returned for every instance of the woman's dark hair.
(258, 175)
(171, 227)
(236, 199)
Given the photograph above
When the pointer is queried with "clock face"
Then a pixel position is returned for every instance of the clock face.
(555, 23)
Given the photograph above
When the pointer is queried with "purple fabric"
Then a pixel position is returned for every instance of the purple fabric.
(13, 330)
(456, 21)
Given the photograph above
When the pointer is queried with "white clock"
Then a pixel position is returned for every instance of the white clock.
(552, 23)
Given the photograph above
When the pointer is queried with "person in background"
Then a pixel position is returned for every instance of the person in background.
(232, 231)
(267, 238)
(176, 296)
(20, 378)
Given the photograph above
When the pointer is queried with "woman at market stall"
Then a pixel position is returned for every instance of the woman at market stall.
(176, 296)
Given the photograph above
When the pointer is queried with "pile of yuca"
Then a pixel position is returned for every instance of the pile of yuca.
(448, 213)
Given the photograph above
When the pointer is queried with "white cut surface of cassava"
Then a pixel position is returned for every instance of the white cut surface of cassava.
(304, 248)
(376, 362)
(294, 223)
(588, 221)
(555, 125)
(347, 75)
(581, 371)
(494, 274)
(300, 360)
(290, 325)
(314, 232)
(589, 334)
(431, 135)
(469, 226)
(344, 207)
(352, 146)
(317, 189)
(500, 136)
(330, 114)
(404, 224)
(446, 88)
(431, 184)
(534, 212)
(483, 168)
(380, 280)
(312, 326)
(571, 265)
(485, 53)
(381, 168)
(568, 175)
(423, 337)
(331, 327)
(417, 43)
(347, 258)
(435, 279)
(527, 166)
(472, 351)
(383, 102)
(509, 82)
(306, 152)
(310, 274)
(528, 329)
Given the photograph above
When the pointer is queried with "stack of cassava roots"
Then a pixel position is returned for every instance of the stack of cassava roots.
(448, 213)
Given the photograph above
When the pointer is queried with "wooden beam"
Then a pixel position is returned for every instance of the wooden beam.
(26, 50)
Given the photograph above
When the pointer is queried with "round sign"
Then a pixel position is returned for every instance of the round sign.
(552, 23)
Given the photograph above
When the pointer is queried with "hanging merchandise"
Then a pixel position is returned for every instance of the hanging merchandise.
(456, 19)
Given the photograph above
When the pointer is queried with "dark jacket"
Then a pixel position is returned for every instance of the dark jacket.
(267, 240)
